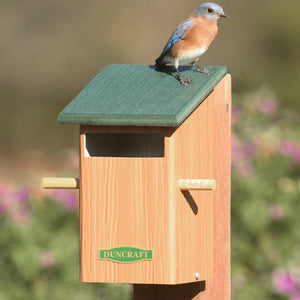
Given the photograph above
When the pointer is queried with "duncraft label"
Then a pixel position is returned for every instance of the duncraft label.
(125, 254)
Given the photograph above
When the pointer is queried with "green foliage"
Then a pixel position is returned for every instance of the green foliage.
(265, 200)
(39, 257)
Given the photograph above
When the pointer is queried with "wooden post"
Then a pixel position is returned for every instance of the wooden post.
(219, 287)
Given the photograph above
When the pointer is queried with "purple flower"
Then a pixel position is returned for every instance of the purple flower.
(22, 195)
(68, 198)
(236, 151)
(241, 156)
(284, 283)
(249, 149)
(287, 148)
(14, 203)
(70, 201)
(236, 113)
(268, 106)
(290, 149)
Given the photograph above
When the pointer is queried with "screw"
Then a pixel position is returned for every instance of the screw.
(197, 275)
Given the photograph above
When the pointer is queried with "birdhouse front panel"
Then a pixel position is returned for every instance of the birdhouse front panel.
(123, 204)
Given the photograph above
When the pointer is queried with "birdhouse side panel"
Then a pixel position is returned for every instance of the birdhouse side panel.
(194, 155)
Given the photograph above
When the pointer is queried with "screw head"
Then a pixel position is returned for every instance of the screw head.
(227, 107)
(197, 275)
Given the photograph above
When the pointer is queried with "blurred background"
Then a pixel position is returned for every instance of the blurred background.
(50, 50)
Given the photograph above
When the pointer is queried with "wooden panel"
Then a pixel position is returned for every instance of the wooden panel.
(193, 155)
(219, 287)
(123, 203)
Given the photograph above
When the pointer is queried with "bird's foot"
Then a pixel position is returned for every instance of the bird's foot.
(185, 81)
(202, 70)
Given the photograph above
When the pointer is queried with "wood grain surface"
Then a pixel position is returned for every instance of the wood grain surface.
(136, 201)
(217, 288)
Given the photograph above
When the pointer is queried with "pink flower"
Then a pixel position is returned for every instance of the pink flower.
(284, 283)
(14, 203)
(236, 152)
(276, 212)
(47, 259)
(20, 215)
(236, 113)
(241, 156)
(70, 201)
(68, 198)
(245, 168)
(22, 195)
(268, 106)
(249, 149)
(6, 195)
(287, 148)
(290, 149)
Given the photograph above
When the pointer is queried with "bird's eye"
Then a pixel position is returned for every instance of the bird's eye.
(210, 10)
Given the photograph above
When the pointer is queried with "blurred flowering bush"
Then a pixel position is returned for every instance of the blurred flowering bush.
(39, 230)
(265, 200)
(39, 256)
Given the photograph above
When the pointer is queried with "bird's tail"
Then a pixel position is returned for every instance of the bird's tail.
(158, 62)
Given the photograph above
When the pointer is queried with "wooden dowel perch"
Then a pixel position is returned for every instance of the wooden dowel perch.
(60, 183)
(197, 184)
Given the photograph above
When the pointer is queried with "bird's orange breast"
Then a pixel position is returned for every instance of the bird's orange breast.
(199, 35)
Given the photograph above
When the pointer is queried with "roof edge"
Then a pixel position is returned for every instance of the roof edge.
(183, 114)
(98, 120)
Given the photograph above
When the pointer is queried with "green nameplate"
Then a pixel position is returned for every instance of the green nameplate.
(125, 254)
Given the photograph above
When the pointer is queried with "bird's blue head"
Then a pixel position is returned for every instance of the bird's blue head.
(210, 10)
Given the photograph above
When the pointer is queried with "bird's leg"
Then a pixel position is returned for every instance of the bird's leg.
(181, 79)
(200, 69)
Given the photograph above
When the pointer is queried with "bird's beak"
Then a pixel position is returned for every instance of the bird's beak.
(223, 15)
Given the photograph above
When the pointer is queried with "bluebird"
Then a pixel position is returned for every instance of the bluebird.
(191, 39)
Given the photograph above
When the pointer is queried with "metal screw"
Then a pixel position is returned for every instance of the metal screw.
(197, 275)
(227, 107)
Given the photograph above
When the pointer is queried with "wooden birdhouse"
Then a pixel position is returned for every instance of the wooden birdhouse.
(152, 155)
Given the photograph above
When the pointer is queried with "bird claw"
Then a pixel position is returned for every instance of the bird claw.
(185, 81)
(202, 70)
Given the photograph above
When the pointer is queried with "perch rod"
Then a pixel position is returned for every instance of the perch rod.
(197, 184)
(60, 183)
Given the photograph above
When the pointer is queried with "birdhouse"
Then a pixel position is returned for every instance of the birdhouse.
(148, 173)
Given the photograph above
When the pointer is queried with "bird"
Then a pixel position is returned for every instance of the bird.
(191, 39)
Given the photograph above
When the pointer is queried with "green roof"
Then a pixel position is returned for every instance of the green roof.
(141, 96)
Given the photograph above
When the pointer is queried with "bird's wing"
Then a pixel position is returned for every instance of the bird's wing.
(176, 36)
